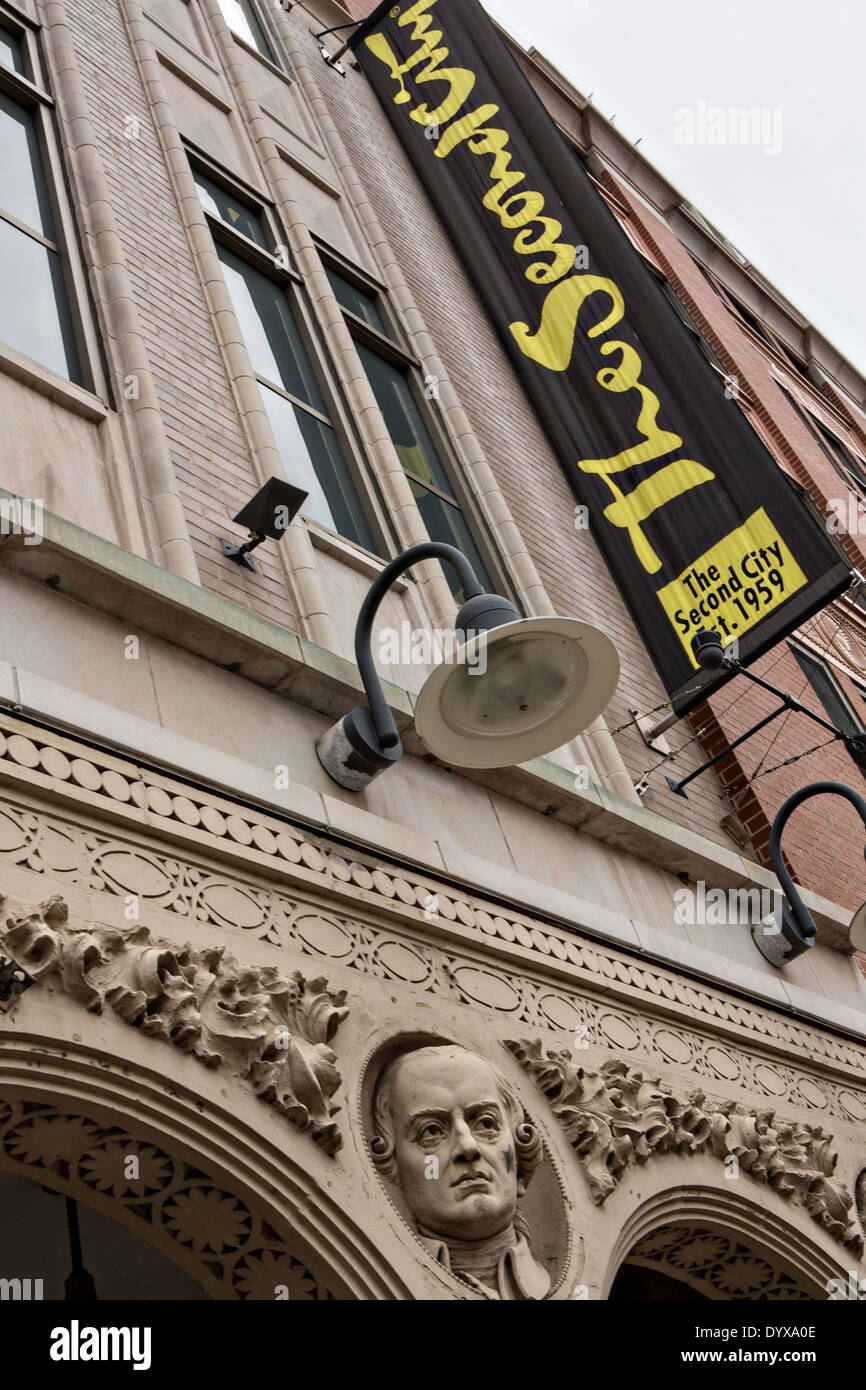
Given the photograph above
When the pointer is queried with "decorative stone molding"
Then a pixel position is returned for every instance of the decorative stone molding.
(195, 823)
(270, 1029)
(715, 1265)
(229, 1245)
(615, 1118)
(540, 979)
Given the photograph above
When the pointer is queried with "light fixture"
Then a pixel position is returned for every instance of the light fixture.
(857, 930)
(790, 930)
(512, 688)
(268, 515)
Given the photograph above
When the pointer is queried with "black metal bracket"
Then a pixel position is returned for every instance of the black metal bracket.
(855, 743)
(337, 29)
(241, 553)
(13, 982)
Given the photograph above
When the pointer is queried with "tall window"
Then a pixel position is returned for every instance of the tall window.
(34, 308)
(291, 393)
(390, 377)
(849, 467)
(828, 690)
(241, 17)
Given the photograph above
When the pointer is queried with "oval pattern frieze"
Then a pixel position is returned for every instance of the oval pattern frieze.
(560, 1012)
(812, 1093)
(672, 1046)
(722, 1063)
(484, 988)
(403, 962)
(770, 1080)
(135, 873)
(12, 836)
(59, 851)
(619, 1031)
(853, 1105)
(323, 936)
(232, 905)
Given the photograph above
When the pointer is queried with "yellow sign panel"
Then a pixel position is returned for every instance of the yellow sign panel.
(735, 584)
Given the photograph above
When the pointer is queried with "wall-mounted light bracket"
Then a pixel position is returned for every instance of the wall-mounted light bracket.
(709, 654)
(268, 515)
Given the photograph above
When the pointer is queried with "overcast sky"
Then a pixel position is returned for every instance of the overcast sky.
(798, 212)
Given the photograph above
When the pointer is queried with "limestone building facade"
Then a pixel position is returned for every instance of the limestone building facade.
(217, 966)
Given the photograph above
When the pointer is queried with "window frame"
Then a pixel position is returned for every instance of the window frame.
(855, 481)
(394, 350)
(292, 283)
(800, 650)
(274, 57)
(30, 90)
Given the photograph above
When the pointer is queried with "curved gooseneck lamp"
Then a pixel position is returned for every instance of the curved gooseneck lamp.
(791, 931)
(512, 689)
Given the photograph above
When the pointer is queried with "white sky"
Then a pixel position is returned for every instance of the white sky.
(798, 215)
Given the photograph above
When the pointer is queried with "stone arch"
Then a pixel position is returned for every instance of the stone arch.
(216, 1196)
(723, 1246)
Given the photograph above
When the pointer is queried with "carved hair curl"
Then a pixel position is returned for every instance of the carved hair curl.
(527, 1141)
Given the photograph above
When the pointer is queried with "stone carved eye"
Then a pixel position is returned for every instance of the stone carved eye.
(430, 1133)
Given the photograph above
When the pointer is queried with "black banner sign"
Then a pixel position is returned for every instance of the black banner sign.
(699, 526)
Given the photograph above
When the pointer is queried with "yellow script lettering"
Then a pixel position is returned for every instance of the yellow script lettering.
(552, 346)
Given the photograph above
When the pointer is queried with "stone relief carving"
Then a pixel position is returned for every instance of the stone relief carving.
(715, 1265)
(68, 852)
(49, 844)
(271, 1029)
(615, 1117)
(451, 1131)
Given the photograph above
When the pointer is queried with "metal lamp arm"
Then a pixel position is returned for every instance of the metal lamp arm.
(802, 916)
(383, 719)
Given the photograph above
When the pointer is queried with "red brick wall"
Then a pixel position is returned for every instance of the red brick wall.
(824, 841)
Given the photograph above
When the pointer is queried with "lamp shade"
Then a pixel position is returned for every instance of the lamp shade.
(858, 929)
(516, 692)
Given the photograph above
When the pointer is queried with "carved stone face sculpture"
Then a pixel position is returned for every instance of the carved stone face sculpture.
(451, 1132)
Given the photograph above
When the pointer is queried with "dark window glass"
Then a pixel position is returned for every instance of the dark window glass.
(356, 301)
(10, 51)
(849, 461)
(313, 460)
(828, 692)
(230, 209)
(685, 317)
(34, 310)
(751, 319)
(241, 18)
(308, 445)
(846, 464)
(22, 185)
(270, 331)
(421, 463)
(34, 313)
